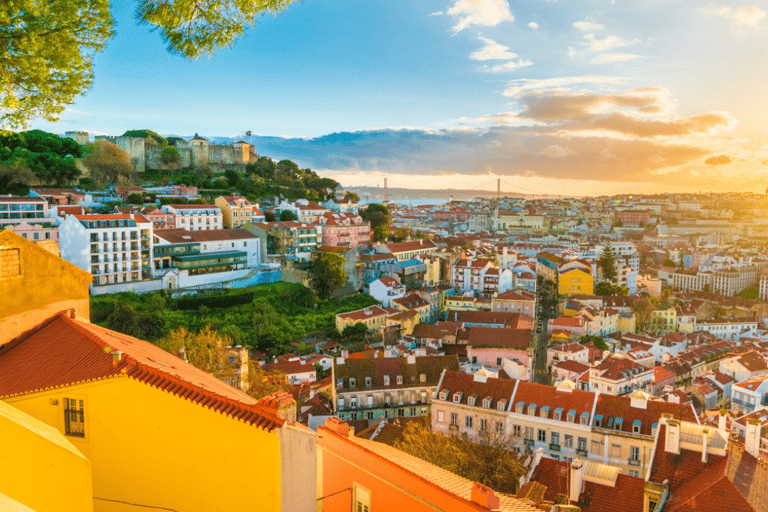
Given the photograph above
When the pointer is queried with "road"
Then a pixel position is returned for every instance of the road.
(545, 296)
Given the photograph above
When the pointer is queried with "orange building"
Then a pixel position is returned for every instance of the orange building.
(361, 475)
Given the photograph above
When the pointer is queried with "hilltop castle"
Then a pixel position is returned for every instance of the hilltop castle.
(196, 152)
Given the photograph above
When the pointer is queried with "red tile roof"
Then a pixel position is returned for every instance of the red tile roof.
(626, 496)
(515, 320)
(572, 366)
(363, 314)
(612, 407)
(496, 389)
(554, 398)
(555, 475)
(499, 337)
(63, 351)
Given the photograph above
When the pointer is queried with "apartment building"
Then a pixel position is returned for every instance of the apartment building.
(387, 387)
(29, 217)
(385, 290)
(519, 300)
(236, 211)
(115, 248)
(407, 250)
(634, 217)
(305, 211)
(205, 252)
(287, 239)
(196, 217)
(619, 375)
(727, 328)
(481, 276)
(344, 230)
(373, 317)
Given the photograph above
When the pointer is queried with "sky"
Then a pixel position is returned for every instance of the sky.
(584, 97)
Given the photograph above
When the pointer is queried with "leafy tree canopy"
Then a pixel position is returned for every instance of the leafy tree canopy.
(147, 134)
(50, 158)
(107, 162)
(47, 48)
(170, 155)
(328, 274)
(380, 218)
(287, 215)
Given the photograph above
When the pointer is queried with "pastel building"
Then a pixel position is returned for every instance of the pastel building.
(236, 211)
(344, 230)
(196, 217)
(115, 248)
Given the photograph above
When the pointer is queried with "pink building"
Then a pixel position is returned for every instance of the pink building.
(159, 218)
(344, 230)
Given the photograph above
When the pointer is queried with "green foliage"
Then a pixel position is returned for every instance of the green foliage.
(287, 215)
(173, 140)
(170, 155)
(124, 318)
(352, 197)
(328, 274)
(607, 262)
(136, 198)
(597, 341)
(355, 330)
(380, 218)
(50, 158)
(147, 134)
(107, 163)
(606, 288)
(46, 54)
(214, 301)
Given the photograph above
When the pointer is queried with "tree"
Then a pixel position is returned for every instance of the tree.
(328, 274)
(486, 457)
(379, 217)
(106, 162)
(47, 49)
(46, 52)
(170, 156)
(287, 215)
(607, 262)
(352, 197)
(642, 308)
(136, 198)
(269, 216)
(50, 158)
(597, 341)
(605, 288)
(125, 319)
(355, 330)
(13, 173)
(268, 327)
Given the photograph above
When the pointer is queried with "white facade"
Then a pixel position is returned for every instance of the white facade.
(114, 248)
(385, 290)
(726, 328)
(196, 217)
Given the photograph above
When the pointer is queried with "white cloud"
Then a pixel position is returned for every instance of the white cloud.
(614, 57)
(600, 45)
(748, 16)
(572, 52)
(437, 13)
(507, 66)
(517, 87)
(588, 26)
(533, 24)
(492, 51)
(487, 13)
(744, 16)
(555, 151)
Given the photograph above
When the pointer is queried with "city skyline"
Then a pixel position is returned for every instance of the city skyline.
(587, 99)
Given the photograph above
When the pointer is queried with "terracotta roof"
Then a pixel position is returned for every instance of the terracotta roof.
(181, 236)
(290, 367)
(497, 390)
(555, 475)
(17, 199)
(363, 314)
(515, 320)
(555, 398)
(570, 348)
(376, 368)
(752, 362)
(416, 245)
(499, 337)
(626, 496)
(411, 301)
(194, 207)
(566, 321)
(63, 351)
(611, 407)
(572, 366)
(436, 331)
(617, 368)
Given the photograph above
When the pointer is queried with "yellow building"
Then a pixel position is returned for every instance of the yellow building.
(575, 281)
(35, 284)
(662, 321)
(40, 470)
(374, 317)
(236, 211)
(158, 432)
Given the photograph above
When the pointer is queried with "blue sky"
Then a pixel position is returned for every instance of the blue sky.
(588, 96)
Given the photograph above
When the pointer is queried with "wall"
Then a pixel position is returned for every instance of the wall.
(151, 448)
(46, 285)
(298, 456)
(39, 468)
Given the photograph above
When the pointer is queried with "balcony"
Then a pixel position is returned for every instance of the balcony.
(554, 447)
(581, 452)
(633, 462)
(528, 442)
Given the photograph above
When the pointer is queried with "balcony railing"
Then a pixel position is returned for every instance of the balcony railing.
(581, 452)
(528, 442)
(633, 462)
(554, 447)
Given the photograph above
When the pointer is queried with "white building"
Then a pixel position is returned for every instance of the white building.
(196, 217)
(305, 211)
(208, 250)
(115, 248)
(481, 276)
(385, 290)
(727, 328)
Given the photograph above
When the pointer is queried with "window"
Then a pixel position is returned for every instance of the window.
(367, 382)
(74, 417)
(486, 402)
(542, 436)
(399, 380)
(568, 441)
(499, 426)
(597, 448)
(498, 361)
(615, 451)
(454, 419)
(516, 429)
(634, 452)
(386, 380)
(468, 421)
(413, 411)
(529, 433)
(457, 397)
(471, 400)
(483, 424)
(423, 377)
(352, 382)
(362, 499)
(501, 405)
(440, 417)
(555, 438)
(634, 472)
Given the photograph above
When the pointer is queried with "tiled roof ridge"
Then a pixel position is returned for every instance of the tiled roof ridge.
(254, 414)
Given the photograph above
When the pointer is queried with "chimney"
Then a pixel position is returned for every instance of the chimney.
(752, 439)
(72, 313)
(722, 424)
(485, 497)
(117, 356)
(672, 441)
(338, 426)
(704, 444)
(577, 479)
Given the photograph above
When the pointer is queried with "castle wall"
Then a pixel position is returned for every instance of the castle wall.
(79, 137)
(135, 148)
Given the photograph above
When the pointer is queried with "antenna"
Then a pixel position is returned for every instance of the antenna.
(498, 189)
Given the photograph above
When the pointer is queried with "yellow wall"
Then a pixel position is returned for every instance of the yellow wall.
(152, 448)
(46, 285)
(39, 468)
(372, 322)
(580, 281)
